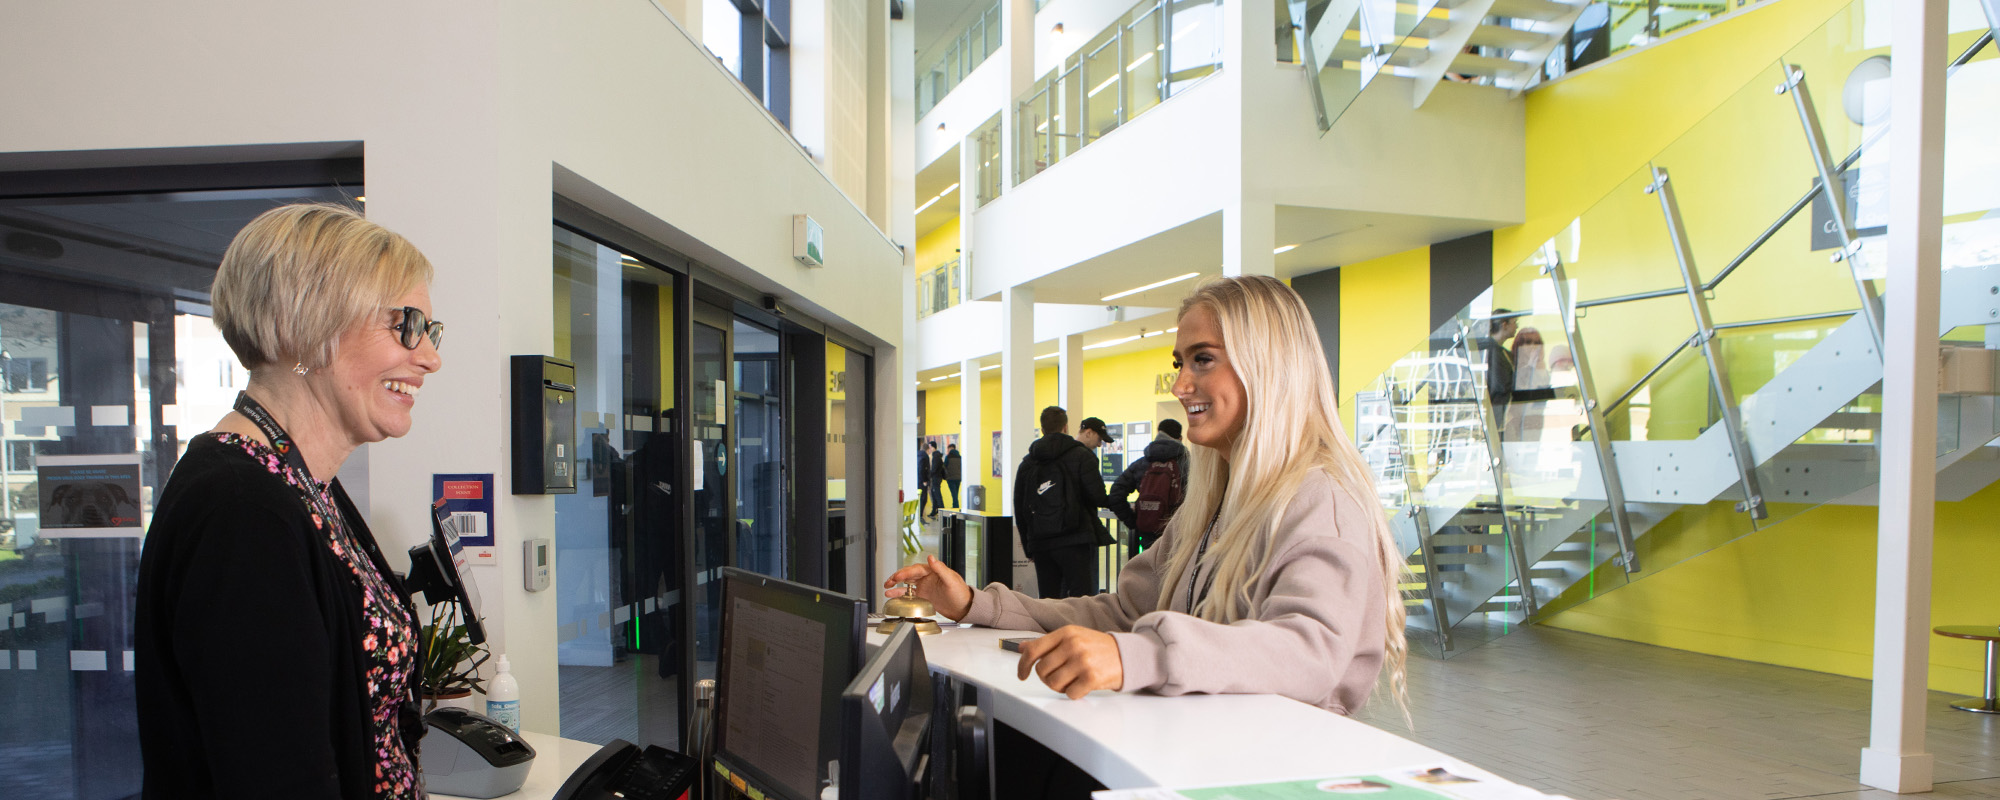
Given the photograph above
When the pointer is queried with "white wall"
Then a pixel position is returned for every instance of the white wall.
(467, 113)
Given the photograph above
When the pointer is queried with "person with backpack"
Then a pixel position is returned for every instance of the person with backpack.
(954, 473)
(1057, 491)
(934, 467)
(1160, 478)
(1278, 575)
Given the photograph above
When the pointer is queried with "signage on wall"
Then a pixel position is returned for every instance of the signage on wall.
(88, 496)
(808, 241)
(1163, 383)
(468, 505)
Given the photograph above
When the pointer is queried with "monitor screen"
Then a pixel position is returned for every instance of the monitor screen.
(886, 714)
(787, 652)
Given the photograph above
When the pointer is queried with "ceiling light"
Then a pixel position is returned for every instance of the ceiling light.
(940, 127)
(948, 190)
(1112, 342)
(1056, 29)
(1102, 86)
(1050, 355)
(989, 366)
(929, 203)
(1151, 334)
(361, 198)
(1148, 287)
(1185, 31)
(1148, 56)
(1285, 248)
(944, 377)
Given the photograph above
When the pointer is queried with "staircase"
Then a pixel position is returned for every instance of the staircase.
(1517, 502)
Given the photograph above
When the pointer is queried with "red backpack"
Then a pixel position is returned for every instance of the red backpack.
(1159, 495)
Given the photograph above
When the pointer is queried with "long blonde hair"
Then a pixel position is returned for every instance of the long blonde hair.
(1292, 426)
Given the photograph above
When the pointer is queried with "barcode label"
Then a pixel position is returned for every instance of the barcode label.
(467, 523)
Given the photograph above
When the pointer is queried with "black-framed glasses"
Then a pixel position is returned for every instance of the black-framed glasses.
(415, 325)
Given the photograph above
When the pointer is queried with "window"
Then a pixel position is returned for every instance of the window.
(20, 456)
(27, 374)
(756, 48)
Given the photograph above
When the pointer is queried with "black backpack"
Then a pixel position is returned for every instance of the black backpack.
(1051, 507)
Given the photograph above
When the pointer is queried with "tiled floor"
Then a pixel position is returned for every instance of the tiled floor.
(1593, 718)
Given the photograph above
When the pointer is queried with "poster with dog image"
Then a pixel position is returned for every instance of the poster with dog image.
(89, 496)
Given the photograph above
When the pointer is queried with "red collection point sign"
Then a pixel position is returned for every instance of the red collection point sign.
(462, 490)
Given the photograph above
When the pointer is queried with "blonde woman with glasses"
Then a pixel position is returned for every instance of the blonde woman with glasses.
(1277, 575)
(277, 652)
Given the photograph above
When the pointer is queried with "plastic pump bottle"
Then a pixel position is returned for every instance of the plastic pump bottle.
(503, 698)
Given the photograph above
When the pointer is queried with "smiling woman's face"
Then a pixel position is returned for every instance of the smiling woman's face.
(374, 380)
(1207, 386)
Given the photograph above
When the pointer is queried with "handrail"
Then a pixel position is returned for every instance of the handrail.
(1784, 320)
(1685, 344)
(1627, 298)
(1755, 323)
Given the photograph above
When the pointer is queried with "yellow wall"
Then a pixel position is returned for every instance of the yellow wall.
(938, 246)
(1385, 309)
(1799, 593)
(1118, 389)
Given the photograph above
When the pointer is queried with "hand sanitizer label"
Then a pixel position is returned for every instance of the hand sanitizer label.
(505, 712)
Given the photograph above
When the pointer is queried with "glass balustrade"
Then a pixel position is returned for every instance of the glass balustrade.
(1692, 359)
(1154, 51)
(937, 77)
(938, 288)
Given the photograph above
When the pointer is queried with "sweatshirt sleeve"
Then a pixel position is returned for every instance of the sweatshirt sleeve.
(247, 590)
(1317, 633)
(997, 606)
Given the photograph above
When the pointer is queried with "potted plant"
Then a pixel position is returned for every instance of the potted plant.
(450, 669)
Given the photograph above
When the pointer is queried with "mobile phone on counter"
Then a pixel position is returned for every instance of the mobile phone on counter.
(1014, 645)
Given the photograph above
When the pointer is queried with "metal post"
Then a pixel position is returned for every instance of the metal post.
(1718, 378)
(1600, 434)
(1414, 497)
(1834, 189)
(1309, 61)
(1515, 542)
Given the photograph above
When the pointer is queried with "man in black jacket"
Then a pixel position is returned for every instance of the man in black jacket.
(1166, 446)
(954, 473)
(1057, 491)
(935, 469)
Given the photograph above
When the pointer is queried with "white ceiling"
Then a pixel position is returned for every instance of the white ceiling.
(939, 19)
(933, 179)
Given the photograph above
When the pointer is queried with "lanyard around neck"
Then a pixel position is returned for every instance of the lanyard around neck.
(280, 442)
(1194, 569)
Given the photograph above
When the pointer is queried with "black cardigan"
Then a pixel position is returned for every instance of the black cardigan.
(250, 673)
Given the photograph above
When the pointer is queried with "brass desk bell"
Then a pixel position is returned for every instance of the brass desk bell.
(908, 608)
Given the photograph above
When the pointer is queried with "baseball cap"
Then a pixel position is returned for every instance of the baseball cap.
(1096, 425)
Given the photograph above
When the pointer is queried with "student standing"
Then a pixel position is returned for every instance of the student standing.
(1057, 492)
(1160, 478)
(954, 473)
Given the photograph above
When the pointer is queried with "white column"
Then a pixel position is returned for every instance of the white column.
(1017, 46)
(973, 442)
(1018, 415)
(1249, 234)
(896, 384)
(1894, 758)
(1069, 378)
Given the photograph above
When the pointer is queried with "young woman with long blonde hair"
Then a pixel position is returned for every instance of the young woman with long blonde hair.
(1277, 575)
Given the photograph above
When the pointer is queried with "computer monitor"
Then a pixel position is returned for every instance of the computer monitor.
(438, 570)
(787, 651)
(886, 716)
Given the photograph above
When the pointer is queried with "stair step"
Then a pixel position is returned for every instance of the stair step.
(1459, 558)
(1469, 64)
(1540, 10)
(1547, 573)
(1467, 539)
(1507, 38)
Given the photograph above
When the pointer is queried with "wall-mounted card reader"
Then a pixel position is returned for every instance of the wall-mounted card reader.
(535, 557)
(544, 393)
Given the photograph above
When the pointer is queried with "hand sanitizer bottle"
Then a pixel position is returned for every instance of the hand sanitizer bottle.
(503, 698)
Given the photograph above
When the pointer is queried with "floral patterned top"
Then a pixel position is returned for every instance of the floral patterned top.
(391, 636)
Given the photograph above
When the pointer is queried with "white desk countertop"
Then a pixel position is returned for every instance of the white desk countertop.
(1128, 740)
(555, 759)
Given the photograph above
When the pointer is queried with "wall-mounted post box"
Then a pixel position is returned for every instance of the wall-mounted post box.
(544, 394)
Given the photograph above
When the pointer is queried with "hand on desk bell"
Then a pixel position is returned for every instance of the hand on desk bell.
(937, 583)
(1074, 660)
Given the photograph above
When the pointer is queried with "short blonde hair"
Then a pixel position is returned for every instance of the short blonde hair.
(299, 276)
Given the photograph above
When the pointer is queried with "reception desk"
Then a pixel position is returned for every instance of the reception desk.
(1126, 740)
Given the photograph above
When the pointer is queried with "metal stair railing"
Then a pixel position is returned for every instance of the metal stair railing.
(1564, 537)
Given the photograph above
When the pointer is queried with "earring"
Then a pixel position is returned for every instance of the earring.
(299, 368)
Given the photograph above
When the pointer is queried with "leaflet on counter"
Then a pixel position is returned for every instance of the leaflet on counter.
(1440, 781)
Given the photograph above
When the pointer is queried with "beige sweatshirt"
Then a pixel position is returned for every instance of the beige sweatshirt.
(1316, 634)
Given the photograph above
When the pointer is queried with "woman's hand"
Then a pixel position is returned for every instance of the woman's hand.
(1074, 660)
(937, 583)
